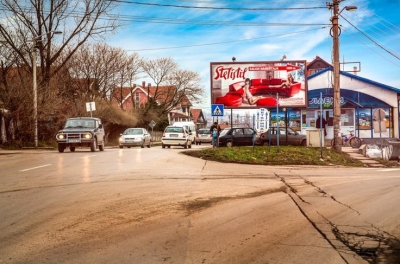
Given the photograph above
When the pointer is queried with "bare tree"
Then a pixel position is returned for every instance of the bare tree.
(187, 85)
(172, 85)
(99, 70)
(28, 25)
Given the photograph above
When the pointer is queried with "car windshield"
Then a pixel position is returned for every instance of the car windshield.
(133, 131)
(77, 123)
(174, 130)
(204, 132)
(224, 132)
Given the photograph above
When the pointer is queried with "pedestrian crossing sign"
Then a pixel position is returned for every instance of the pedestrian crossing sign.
(217, 110)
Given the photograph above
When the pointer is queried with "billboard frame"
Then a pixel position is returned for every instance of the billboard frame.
(270, 84)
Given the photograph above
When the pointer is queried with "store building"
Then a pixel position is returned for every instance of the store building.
(360, 98)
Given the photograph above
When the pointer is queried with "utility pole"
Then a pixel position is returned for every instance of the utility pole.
(35, 41)
(35, 118)
(336, 77)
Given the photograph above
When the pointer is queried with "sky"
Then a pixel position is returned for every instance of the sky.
(196, 33)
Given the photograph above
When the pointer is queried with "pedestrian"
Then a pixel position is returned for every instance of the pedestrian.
(215, 129)
(318, 123)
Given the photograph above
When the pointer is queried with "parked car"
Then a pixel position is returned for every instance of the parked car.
(237, 136)
(135, 137)
(293, 138)
(176, 136)
(203, 136)
(81, 132)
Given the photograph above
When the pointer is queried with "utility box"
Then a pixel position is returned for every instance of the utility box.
(313, 138)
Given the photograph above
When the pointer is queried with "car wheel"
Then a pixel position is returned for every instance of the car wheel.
(190, 146)
(142, 146)
(121, 147)
(101, 147)
(61, 148)
(72, 149)
(229, 144)
(93, 145)
(162, 145)
(148, 146)
(265, 143)
(303, 143)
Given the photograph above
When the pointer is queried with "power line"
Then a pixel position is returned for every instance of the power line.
(368, 37)
(225, 42)
(221, 8)
(380, 55)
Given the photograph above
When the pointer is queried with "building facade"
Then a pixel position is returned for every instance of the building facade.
(360, 98)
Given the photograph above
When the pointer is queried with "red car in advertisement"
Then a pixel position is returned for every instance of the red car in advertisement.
(259, 84)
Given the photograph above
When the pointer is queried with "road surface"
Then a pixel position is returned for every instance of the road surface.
(160, 206)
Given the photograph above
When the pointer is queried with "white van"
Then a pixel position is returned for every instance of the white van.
(190, 126)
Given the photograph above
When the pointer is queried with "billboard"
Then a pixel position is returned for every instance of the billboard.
(264, 84)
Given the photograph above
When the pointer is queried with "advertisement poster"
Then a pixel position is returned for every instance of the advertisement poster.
(259, 84)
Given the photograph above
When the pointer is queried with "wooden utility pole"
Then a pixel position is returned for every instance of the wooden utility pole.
(336, 76)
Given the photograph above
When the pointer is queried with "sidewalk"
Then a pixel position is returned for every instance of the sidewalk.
(354, 153)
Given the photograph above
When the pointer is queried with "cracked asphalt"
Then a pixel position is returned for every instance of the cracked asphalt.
(159, 206)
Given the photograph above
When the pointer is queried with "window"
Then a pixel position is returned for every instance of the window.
(347, 117)
(248, 131)
(137, 100)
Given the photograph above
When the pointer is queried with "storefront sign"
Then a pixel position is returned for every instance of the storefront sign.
(327, 102)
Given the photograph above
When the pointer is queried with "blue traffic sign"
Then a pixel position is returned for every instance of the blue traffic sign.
(217, 110)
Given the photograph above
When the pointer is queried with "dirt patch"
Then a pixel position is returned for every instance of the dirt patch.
(204, 203)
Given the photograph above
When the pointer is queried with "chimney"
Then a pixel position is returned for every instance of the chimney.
(355, 70)
(143, 84)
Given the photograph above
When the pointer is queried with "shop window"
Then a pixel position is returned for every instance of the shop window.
(364, 119)
(308, 118)
(347, 117)
(295, 120)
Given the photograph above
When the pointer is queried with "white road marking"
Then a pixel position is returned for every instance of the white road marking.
(35, 168)
(389, 170)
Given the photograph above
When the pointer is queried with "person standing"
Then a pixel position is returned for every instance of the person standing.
(319, 125)
(215, 129)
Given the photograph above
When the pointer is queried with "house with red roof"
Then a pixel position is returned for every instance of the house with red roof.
(129, 98)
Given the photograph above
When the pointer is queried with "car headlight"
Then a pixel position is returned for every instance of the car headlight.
(121, 139)
(87, 135)
(60, 136)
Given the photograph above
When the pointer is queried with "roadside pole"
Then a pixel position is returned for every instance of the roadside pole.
(320, 124)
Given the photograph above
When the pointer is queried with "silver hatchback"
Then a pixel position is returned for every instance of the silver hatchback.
(203, 136)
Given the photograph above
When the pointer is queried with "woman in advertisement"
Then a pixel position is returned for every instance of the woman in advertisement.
(247, 96)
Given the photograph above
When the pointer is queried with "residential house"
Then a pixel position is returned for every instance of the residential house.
(129, 98)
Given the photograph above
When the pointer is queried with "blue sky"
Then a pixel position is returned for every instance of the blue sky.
(195, 33)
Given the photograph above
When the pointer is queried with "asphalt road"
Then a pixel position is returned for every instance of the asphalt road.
(160, 206)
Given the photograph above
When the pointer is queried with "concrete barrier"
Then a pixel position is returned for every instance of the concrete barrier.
(392, 145)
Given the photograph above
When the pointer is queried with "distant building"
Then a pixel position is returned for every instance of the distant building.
(129, 98)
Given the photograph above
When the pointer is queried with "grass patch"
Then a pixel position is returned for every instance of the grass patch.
(272, 155)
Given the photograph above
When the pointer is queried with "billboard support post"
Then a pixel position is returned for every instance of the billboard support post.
(278, 135)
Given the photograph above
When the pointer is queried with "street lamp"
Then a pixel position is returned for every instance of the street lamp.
(336, 71)
(34, 55)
